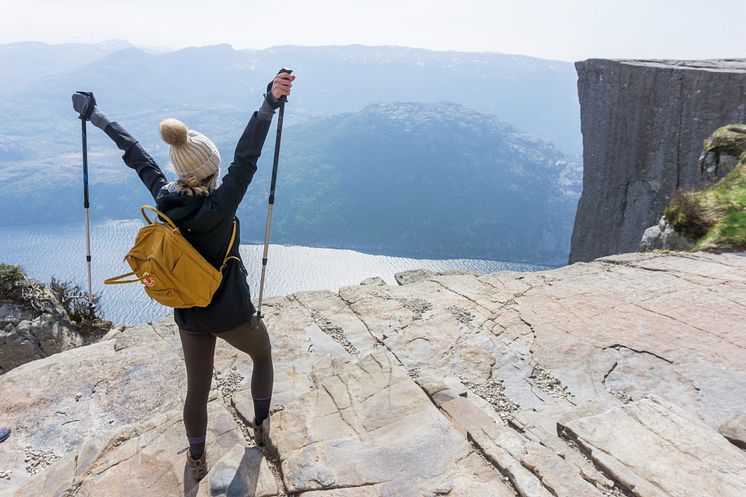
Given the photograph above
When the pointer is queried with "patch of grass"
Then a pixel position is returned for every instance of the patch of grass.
(687, 216)
(74, 300)
(716, 216)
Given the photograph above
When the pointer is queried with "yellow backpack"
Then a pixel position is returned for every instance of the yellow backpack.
(172, 271)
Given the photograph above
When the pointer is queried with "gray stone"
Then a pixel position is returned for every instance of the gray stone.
(27, 334)
(632, 440)
(457, 272)
(715, 166)
(413, 276)
(374, 280)
(662, 236)
(642, 139)
(735, 430)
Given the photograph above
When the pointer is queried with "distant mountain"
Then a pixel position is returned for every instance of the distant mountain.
(419, 179)
(27, 63)
(428, 179)
(538, 96)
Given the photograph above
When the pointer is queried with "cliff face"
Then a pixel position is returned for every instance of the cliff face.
(643, 125)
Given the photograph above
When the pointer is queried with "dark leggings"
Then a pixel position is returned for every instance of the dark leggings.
(199, 351)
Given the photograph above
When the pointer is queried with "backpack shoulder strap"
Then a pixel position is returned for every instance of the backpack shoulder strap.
(230, 246)
(150, 207)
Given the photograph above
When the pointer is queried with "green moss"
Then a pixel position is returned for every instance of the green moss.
(730, 139)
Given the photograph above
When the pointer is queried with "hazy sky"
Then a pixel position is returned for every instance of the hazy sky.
(558, 29)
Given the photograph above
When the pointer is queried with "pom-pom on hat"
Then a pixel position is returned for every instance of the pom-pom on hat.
(191, 152)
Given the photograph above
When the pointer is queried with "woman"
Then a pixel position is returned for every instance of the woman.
(204, 213)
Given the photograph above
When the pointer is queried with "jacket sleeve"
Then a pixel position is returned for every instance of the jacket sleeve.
(137, 158)
(233, 187)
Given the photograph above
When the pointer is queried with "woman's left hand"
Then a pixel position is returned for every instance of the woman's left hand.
(282, 85)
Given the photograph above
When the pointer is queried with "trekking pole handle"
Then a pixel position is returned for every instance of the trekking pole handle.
(284, 98)
(91, 105)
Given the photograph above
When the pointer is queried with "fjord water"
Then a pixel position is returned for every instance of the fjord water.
(46, 250)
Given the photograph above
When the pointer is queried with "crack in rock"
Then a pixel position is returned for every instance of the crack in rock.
(618, 490)
(493, 392)
(549, 384)
(466, 297)
(335, 331)
(227, 383)
(618, 346)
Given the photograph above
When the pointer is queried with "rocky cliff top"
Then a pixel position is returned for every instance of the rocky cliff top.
(620, 377)
(36, 321)
(727, 65)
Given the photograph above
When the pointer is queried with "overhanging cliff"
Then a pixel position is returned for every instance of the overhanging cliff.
(643, 124)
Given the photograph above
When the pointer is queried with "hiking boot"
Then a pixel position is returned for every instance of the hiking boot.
(261, 432)
(4, 434)
(198, 466)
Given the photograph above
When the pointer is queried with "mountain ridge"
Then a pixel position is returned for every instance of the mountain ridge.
(427, 179)
(533, 94)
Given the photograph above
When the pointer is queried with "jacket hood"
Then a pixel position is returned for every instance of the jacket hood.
(197, 213)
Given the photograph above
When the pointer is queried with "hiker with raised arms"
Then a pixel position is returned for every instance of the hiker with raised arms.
(204, 211)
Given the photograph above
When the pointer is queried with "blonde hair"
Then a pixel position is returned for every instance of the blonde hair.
(191, 186)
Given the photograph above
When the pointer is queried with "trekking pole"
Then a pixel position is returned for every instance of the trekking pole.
(283, 99)
(83, 119)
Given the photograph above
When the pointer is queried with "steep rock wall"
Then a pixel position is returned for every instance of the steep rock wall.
(643, 124)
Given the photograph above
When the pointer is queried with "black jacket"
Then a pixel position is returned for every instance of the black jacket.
(206, 222)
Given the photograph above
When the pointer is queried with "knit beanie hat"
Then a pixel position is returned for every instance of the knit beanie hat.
(191, 152)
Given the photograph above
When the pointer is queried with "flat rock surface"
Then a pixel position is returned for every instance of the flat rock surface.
(451, 385)
(368, 424)
(651, 430)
